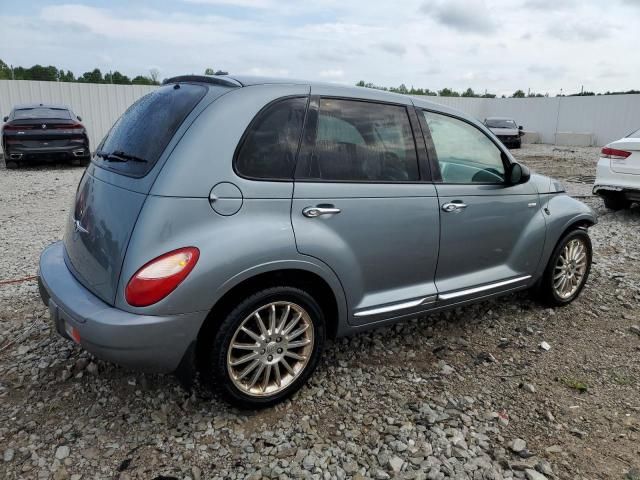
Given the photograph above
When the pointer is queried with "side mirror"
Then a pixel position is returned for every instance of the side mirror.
(518, 174)
(80, 118)
(520, 127)
(5, 119)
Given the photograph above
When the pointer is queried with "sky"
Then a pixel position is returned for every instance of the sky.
(545, 46)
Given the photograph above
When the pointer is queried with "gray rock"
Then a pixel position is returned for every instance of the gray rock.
(9, 453)
(529, 387)
(62, 452)
(635, 329)
(396, 464)
(533, 475)
(518, 445)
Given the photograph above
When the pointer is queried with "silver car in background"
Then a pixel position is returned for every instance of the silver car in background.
(235, 224)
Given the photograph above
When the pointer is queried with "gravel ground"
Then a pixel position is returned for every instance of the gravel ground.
(464, 394)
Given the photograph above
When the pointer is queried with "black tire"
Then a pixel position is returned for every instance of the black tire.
(80, 161)
(616, 202)
(546, 291)
(11, 164)
(214, 347)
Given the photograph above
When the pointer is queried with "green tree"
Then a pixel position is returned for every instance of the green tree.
(5, 71)
(469, 93)
(209, 71)
(141, 80)
(94, 76)
(447, 92)
(518, 94)
(117, 78)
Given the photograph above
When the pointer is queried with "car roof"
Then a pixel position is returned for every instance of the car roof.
(364, 93)
(40, 105)
(498, 118)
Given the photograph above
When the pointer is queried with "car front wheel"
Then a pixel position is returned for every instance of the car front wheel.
(568, 269)
(266, 348)
(616, 202)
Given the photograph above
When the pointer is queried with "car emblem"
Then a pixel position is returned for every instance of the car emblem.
(44, 125)
(77, 227)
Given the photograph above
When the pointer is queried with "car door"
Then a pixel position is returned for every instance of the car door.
(363, 206)
(491, 232)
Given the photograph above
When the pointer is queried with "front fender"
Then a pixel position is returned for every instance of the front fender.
(561, 213)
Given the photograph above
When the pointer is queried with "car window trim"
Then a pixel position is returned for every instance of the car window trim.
(433, 157)
(310, 135)
(249, 129)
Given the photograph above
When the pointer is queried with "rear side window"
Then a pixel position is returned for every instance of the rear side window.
(140, 135)
(41, 112)
(363, 142)
(270, 146)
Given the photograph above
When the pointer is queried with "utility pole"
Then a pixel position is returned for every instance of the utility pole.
(12, 75)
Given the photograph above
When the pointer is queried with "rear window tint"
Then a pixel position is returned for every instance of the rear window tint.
(145, 129)
(270, 145)
(41, 112)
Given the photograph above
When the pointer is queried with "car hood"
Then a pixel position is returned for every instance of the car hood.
(546, 184)
(504, 131)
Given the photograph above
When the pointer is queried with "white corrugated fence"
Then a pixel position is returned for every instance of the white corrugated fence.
(605, 117)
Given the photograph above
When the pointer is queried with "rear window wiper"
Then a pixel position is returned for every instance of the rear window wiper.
(119, 156)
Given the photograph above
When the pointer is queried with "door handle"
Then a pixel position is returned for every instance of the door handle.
(313, 212)
(454, 206)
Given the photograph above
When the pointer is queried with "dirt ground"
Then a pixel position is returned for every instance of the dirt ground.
(64, 414)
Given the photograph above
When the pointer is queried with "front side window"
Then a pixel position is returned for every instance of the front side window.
(465, 154)
(362, 141)
(270, 146)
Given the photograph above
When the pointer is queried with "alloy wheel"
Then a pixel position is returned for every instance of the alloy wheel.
(570, 269)
(270, 348)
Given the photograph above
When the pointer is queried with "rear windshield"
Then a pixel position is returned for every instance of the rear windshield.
(500, 124)
(41, 112)
(635, 134)
(140, 135)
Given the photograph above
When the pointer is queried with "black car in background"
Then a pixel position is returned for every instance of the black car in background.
(44, 132)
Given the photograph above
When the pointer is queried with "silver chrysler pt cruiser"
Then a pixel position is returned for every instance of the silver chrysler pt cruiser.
(231, 225)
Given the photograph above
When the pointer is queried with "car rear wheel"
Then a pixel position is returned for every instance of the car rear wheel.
(616, 202)
(568, 269)
(266, 348)
(11, 164)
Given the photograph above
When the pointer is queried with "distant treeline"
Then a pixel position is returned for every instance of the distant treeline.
(53, 74)
(448, 92)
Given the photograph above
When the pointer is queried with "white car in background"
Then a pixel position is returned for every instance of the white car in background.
(618, 172)
(506, 129)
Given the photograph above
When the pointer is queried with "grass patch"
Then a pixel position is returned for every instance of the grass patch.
(576, 384)
(621, 379)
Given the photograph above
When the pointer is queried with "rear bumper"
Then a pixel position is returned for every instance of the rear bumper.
(609, 182)
(510, 140)
(20, 152)
(141, 342)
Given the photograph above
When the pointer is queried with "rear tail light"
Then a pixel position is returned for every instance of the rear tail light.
(161, 276)
(614, 153)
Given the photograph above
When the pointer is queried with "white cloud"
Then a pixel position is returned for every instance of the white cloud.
(334, 73)
(427, 43)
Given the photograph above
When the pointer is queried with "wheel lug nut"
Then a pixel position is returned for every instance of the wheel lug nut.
(278, 339)
(270, 357)
(263, 351)
(279, 350)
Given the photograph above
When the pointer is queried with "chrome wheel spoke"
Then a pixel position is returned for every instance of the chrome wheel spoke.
(570, 268)
(245, 359)
(270, 348)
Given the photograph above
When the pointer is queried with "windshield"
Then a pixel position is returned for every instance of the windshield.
(499, 123)
(140, 135)
(41, 112)
(635, 134)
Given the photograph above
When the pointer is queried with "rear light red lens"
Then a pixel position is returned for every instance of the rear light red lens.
(614, 153)
(161, 276)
